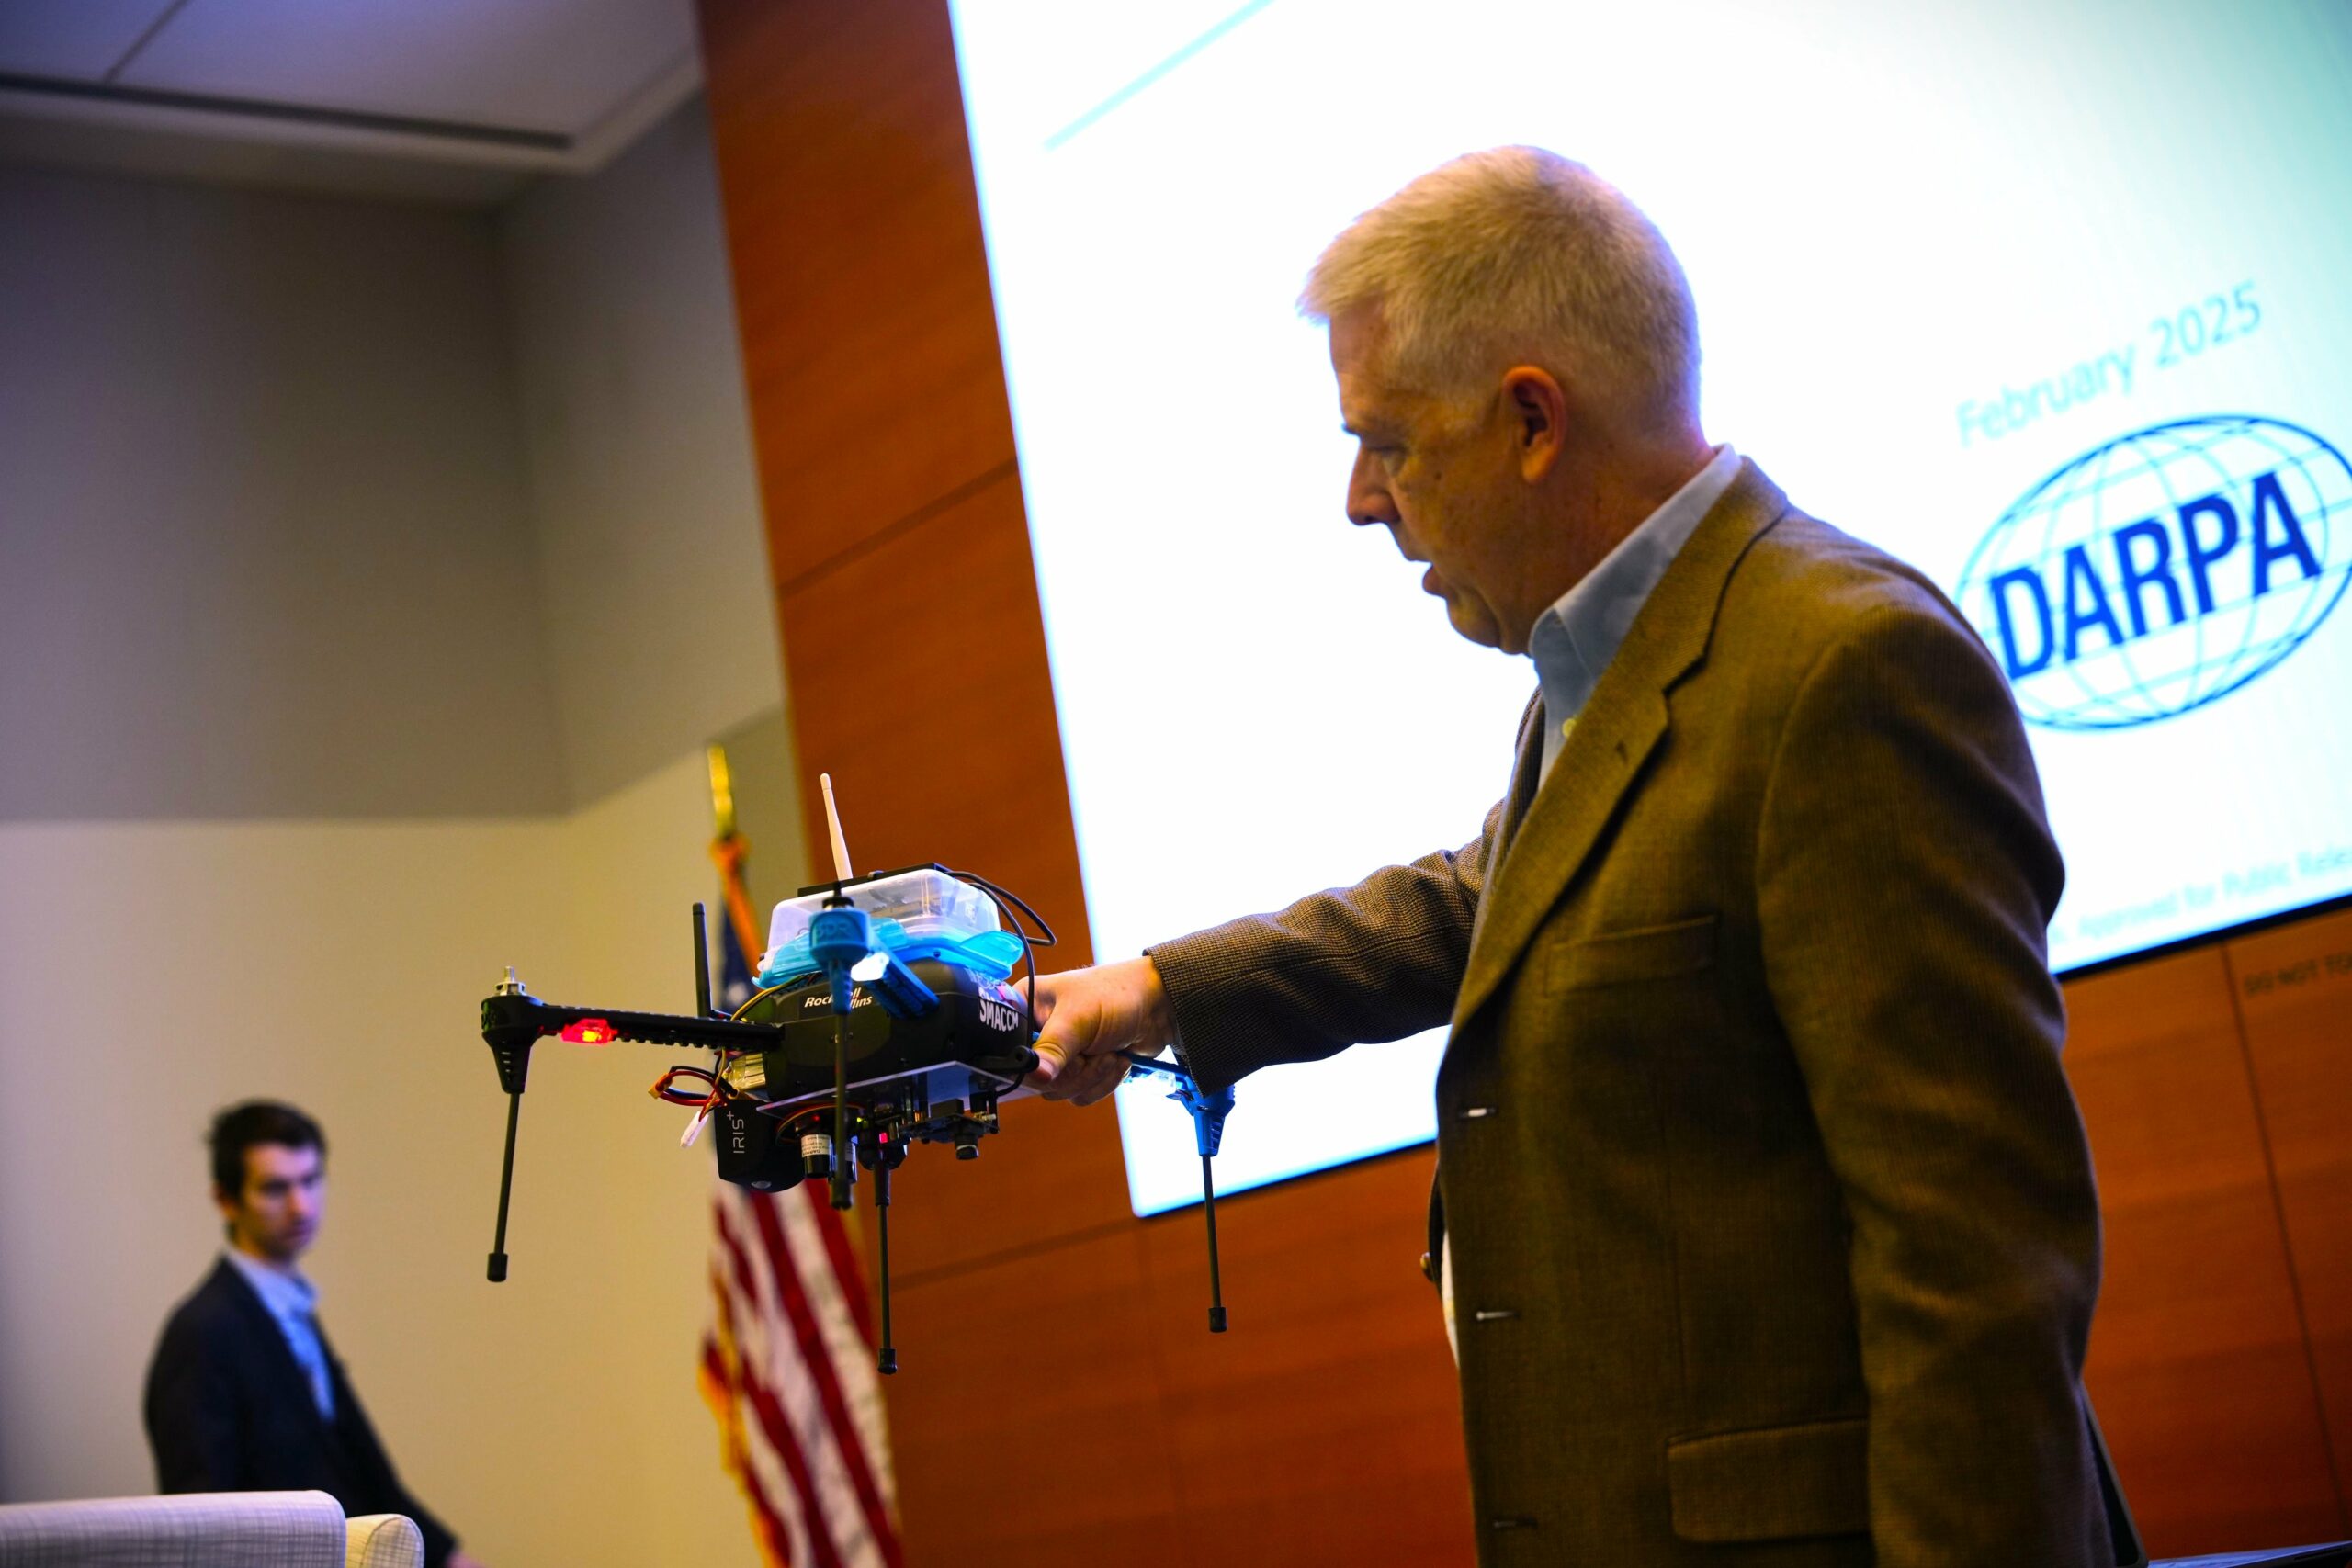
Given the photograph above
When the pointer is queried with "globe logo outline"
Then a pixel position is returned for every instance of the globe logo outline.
(2164, 570)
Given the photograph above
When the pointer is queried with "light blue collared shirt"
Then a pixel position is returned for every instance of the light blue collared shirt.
(294, 1302)
(1576, 639)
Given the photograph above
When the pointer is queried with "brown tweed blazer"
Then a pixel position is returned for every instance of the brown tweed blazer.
(1774, 1235)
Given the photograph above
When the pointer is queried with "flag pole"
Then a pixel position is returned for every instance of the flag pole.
(776, 1243)
(729, 852)
(722, 791)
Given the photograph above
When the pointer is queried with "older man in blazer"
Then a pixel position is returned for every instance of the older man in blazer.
(1766, 1216)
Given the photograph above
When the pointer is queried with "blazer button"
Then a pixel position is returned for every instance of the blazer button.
(1493, 1315)
(1429, 1267)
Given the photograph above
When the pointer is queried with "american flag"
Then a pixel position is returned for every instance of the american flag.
(788, 1365)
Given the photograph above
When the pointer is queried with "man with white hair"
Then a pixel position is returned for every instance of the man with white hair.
(1767, 1217)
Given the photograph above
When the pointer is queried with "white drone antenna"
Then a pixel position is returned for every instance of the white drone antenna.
(833, 827)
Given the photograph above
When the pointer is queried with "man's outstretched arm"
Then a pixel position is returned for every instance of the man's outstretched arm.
(1377, 961)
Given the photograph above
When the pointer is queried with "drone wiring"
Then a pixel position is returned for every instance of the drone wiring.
(761, 995)
(1006, 902)
(712, 1095)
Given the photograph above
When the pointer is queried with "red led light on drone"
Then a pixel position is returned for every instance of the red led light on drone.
(590, 1031)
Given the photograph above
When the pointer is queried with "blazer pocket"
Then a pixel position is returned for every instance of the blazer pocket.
(1772, 1483)
(1650, 953)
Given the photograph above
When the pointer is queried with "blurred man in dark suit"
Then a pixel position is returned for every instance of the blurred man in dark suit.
(244, 1393)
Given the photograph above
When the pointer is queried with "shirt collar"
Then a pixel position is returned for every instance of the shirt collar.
(285, 1293)
(1574, 640)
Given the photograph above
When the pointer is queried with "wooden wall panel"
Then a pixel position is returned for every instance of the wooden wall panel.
(2294, 988)
(1054, 1174)
(1021, 1438)
(861, 282)
(918, 676)
(2197, 1364)
(1325, 1424)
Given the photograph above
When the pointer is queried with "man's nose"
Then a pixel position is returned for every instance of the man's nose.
(1368, 500)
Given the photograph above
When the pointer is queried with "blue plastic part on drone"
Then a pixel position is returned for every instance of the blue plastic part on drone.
(992, 953)
(1209, 1107)
(839, 939)
(898, 988)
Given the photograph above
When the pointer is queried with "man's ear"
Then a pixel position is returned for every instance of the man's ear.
(1538, 406)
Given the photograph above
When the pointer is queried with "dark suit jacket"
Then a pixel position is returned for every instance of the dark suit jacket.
(230, 1410)
(1773, 1227)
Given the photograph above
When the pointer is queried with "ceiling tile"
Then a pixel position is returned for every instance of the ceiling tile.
(550, 65)
(79, 39)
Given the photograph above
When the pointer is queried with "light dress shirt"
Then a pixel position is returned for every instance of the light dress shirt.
(1576, 639)
(293, 1300)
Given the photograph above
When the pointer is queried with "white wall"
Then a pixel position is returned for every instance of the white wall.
(643, 496)
(303, 735)
(264, 549)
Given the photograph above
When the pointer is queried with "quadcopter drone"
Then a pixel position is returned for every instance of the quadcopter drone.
(882, 1017)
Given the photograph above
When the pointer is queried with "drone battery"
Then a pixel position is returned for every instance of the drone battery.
(924, 902)
(754, 1151)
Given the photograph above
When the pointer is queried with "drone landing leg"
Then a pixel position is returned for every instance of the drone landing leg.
(841, 1109)
(505, 1187)
(1208, 1207)
(702, 964)
(885, 1357)
(841, 937)
(1209, 1110)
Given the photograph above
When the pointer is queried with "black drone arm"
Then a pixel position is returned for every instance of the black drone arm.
(513, 1021)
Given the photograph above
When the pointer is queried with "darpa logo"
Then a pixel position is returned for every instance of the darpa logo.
(2163, 570)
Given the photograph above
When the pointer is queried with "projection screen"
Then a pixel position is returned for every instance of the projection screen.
(2048, 299)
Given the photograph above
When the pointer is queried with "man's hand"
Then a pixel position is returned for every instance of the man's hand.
(1086, 1017)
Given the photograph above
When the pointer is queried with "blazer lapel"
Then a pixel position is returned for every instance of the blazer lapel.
(1620, 727)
